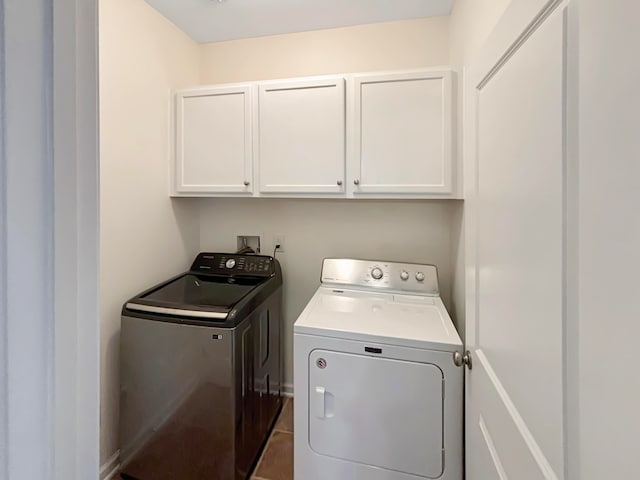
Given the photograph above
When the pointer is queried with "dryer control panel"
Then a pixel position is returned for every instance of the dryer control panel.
(232, 264)
(414, 278)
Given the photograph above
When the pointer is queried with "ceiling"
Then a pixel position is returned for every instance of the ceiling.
(215, 20)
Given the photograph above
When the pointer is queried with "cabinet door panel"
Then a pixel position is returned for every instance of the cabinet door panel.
(213, 147)
(402, 133)
(302, 140)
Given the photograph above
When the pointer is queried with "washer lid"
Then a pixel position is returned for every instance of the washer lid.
(404, 320)
(204, 291)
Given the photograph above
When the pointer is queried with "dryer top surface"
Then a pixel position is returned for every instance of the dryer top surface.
(404, 320)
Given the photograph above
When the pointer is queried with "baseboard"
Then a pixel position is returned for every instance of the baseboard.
(110, 468)
(287, 389)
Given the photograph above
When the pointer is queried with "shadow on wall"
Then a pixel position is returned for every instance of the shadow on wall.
(418, 231)
(111, 389)
(186, 212)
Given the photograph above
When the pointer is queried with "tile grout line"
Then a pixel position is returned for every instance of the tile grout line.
(264, 450)
(266, 447)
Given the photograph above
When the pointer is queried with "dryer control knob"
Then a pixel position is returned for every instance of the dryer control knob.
(376, 273)
(230, 263)
(420, 276)
(404, 275)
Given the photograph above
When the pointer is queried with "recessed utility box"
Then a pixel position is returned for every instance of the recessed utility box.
(248, 241)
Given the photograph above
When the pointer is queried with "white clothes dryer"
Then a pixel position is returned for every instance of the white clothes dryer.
(377, 393)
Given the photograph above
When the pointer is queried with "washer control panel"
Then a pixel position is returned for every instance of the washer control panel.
(231, 264)
(377, 273)
(393, 276)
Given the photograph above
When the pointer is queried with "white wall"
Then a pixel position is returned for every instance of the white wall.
(470, 24)
(145, 236)
(143, 56)
(609, 240)
(406, 231)
(379, 46)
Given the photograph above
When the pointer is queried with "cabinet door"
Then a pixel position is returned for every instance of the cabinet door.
(213, 140)
(402, 133)
(301, 142)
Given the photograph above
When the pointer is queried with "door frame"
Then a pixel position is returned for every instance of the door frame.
(523, 16)
(49, 224)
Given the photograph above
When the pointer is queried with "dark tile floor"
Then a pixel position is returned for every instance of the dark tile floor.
(276, 462)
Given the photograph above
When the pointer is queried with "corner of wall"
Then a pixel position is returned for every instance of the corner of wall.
(144, 235)
(458, 267)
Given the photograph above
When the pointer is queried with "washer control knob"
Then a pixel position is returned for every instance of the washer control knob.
(376, 273)
(230, 263)
(420, 276)
(404, 275)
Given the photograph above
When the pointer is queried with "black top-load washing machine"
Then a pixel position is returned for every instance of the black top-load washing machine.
(201, 370)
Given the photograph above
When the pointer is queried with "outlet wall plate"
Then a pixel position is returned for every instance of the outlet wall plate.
(279, 240)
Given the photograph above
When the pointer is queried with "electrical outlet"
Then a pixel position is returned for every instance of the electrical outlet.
(279, 240)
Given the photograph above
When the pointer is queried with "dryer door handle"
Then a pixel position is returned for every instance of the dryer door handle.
(320, 402)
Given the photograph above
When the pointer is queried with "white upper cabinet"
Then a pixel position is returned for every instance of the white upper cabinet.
(401, 134)
(301, 139)
(214, 141)
(375, 135)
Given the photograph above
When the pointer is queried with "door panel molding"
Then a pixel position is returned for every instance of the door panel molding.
(543, 25)
(491, 448)
(520, 235)
(518, 422)
(522, 38)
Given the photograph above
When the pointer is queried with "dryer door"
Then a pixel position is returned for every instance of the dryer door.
(377, 411)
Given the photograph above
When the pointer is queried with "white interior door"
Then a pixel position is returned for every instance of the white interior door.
(516, 100)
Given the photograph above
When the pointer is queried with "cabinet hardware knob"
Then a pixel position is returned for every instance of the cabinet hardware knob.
(246, 183)
(339, 182)
(356, 181)
(460, 359)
